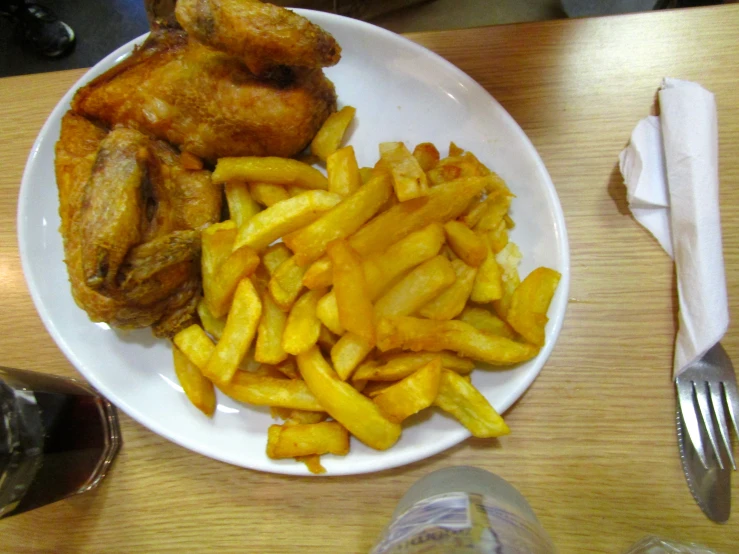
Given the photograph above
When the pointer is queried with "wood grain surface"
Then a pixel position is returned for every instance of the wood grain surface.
(593, 447)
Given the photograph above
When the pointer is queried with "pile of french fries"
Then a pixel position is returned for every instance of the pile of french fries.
(350, 302)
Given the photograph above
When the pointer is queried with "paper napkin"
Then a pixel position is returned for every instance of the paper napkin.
(670, 168)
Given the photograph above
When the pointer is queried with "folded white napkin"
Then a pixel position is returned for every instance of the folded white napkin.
(671, 172)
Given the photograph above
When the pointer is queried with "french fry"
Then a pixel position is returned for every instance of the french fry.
(409, 179)
(212, 325)
(487, 322)
(406, 297)
(326, 339)
(456, 166)
(450, 303)
(427, 155)
(197, 388)
(461, 399)
(195, 344)
(327, 311)
(356, 313)
(454, 150)
(361, 417)
(286, 283)
(442, 203)
(344, 177)
(274, 256)
(240, 264)
(318, 275)
(310, 242)
(412, 394)
(398, 366)
(293, 441)
(271, 327)
(329, 136)
(302, 417)
(313, 463)
(241, 326)
(508, 259)
(488, 284)
(497, 204)
(465, 243)
(366, 173)
(303, 327)
(241, 206)
(261, 390)
(410, 333)
(373, 388)
(530, 302)
(284, 217)
(498, 237)
(268, 169)
(216, 246)
(288, 368)
(383, 268)
(268, 194)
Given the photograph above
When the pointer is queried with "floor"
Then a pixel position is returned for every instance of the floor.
(104, 25)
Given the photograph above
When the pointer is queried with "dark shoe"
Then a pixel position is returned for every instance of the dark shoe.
(43, 32)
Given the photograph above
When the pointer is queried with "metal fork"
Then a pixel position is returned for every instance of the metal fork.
(704, 389)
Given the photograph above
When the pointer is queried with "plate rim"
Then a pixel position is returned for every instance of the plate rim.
(555, 324)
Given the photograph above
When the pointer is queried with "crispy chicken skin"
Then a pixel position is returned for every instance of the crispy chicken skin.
(263, 35)
(208, 102)
(155, 242)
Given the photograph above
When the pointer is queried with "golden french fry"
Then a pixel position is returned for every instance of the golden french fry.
(327, 311)
(288, 368)
(310, 242)
(410, 333)
(465, 243)
(354, 411)
(344, 177)
(356, 313)
(195, 344)
(241, 206)
(274, 256)
(263, 370)
(326, 339)
(412, 394)
(318, 275)
(261, 390)
(455, 150)
(286, 283)
(269, 169)
(409, 178)
(498, 237)
(303, 327)
(268, 194)
(366, 173)
(383, 268)
(460, 398)
(487, 322)
(329, 136)
(241, 326)
(457, 166)
(292, 441)
(313, 463)
(216, 246)
(240, 264)
(197, 388)
(284, 217)
(488, 284)
(427, 155)
(271, 327)
(411, 293)
(442, 203)
(212, 325)
(373, 388)
(508, 259)
(530, 302)
(301, 417)
(497, 204)
(394, 367)
(450, 303)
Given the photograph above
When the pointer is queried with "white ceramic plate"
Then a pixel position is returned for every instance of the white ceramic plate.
(402, 92)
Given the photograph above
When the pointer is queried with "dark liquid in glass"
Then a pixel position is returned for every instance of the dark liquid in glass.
(76, 442)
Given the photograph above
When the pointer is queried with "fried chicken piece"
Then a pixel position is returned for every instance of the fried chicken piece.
(113, 216)
(207, 102)
(157, 281)
(263, 35)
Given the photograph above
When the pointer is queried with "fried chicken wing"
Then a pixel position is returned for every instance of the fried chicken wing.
(263, 35)
(155, 279)
(207, 102)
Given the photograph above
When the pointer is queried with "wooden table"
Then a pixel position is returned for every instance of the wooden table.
(593, 445)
